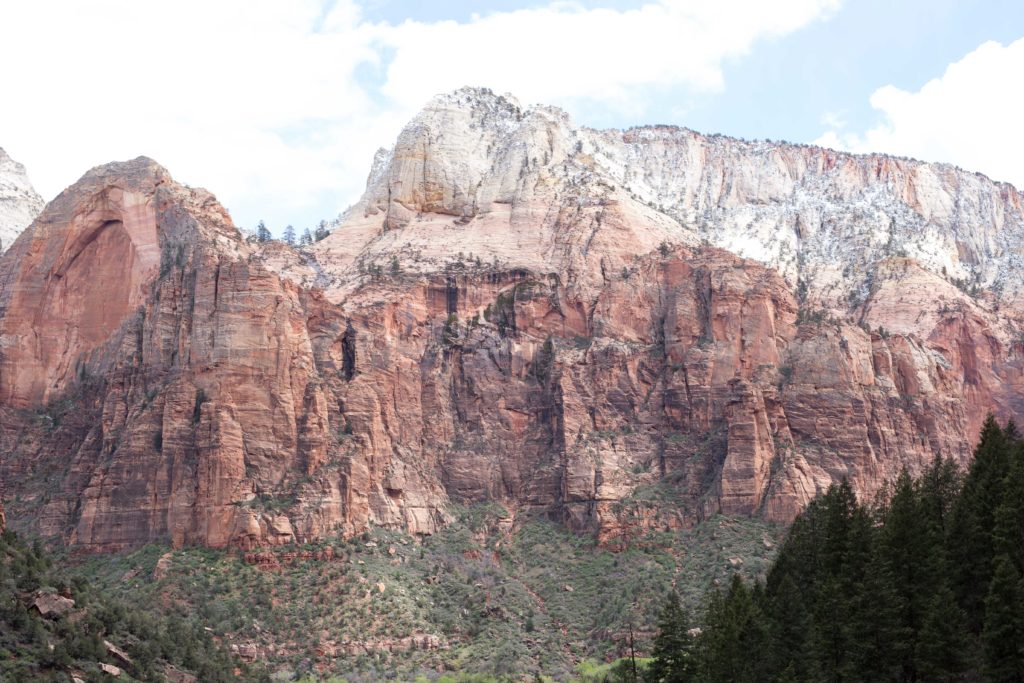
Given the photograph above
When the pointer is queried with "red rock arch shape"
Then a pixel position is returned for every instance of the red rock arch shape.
(75, 293)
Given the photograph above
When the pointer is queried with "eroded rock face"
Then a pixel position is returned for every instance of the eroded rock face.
(175, 375)
(85, 269)
(19, 202)
(591, 354)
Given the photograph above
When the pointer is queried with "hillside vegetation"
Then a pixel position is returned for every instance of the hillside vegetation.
(472, 599)
(56, 626)
(924, 584)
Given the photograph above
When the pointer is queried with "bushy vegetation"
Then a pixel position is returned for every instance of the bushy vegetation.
(73, 639)
(922, 585)
(472, 603)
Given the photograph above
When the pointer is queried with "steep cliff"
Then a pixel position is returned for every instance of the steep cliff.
(155, 379)
(19, 202)
(620, 330)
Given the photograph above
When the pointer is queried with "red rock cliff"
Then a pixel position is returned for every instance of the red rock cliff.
(162, 377)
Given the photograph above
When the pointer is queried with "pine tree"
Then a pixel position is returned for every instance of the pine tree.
(321, 231)
(939, 488)
(733, 644)
(880, 643)
(1008, 521)
(793, 583)
(788, 623)
(1003, 634)
(306, 239)
(887, 593)
(942, 642)
(1010, 432)
(969, 542)
(789, 675)
(909, 549)
(289, 235)
(846, 555)
(262, 233)
(673, 646)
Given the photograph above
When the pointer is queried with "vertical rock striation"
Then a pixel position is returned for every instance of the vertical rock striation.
(622, 330)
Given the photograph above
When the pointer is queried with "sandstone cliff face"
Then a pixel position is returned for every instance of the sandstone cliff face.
(607, 328)
(156, 380)
(528, 188)
(19, 202)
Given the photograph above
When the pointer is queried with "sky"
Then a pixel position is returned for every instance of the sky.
(277, 106)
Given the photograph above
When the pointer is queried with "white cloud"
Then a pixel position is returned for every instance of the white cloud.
(267, 103)
(833, 119)
(563, 53)
(970, 116)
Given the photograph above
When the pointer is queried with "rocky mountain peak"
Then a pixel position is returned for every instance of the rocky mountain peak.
(19, 202)
(825, 220)
(141, 169)
(519, 310)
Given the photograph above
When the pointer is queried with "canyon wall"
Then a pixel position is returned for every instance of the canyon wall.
(622, 331)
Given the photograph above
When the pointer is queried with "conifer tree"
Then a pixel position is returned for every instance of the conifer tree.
(788, 623)
(793, 586)
(879, 640)
(969, 542)
(307, 238)
(732, 646)
(262, 233)
(845, 557)
(909, 551)
(673, 646)
(939, 489)
(942, 642)
(942, 650)
(884, 593)
(289, 235)
(1003, 634)
(1008, 521)
(1010, 432)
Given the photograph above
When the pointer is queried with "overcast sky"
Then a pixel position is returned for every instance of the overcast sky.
(278, 105)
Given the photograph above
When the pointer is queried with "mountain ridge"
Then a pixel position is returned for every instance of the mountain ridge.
(780, 240)
(569, 323)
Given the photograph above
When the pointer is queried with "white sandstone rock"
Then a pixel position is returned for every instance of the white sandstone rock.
(19, 202)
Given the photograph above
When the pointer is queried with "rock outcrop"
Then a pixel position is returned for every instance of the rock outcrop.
(19, 202)
(620, 330)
